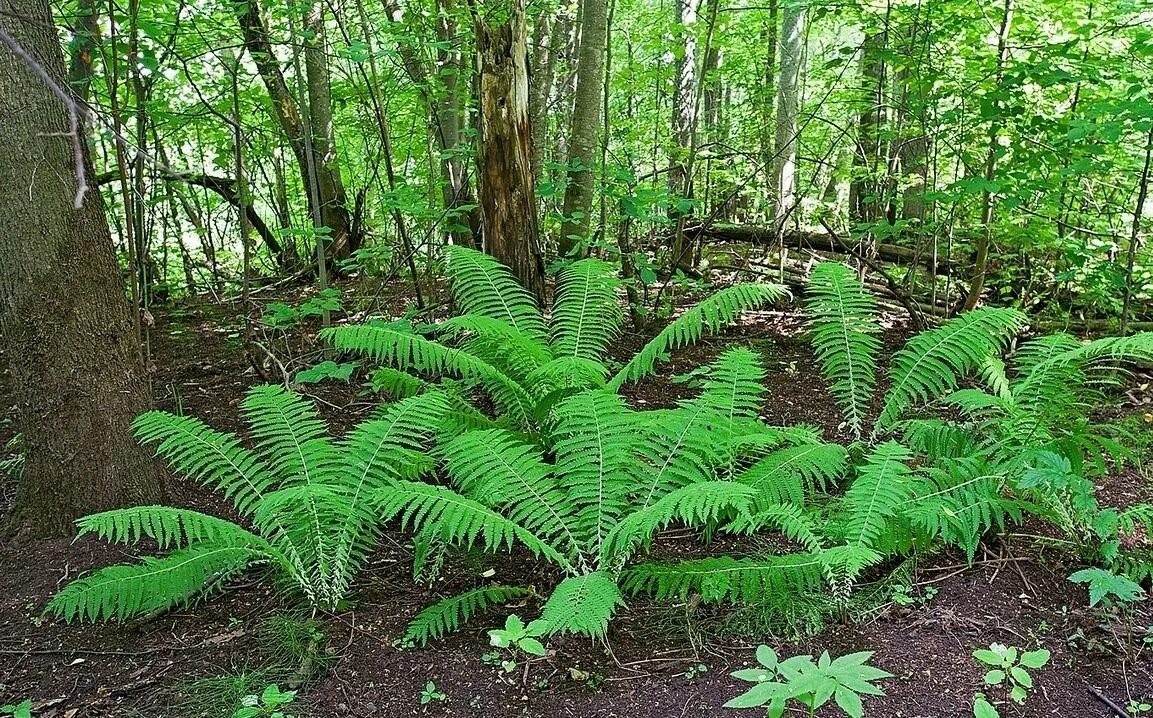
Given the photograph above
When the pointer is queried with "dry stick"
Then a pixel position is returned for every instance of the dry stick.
(1118, 710)
(74, 114)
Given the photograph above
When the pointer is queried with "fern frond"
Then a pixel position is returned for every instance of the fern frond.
(398, 384)
(496, 468)
(959, 503)
(933, 362)
(786, 475)
(938, 439)
(455, 519)
(449, 615)
(881, 490)
(707, 317)
(733, 391)
(497, 343)
(737, 580)
(844, 328)
(209, 457)
(169, 527)
(694, 505)
(587, 314)
(155, 584)
(789, 519)
(290, 436)
(411, 352)
(482, 285)
(594, 443)
(583, 605)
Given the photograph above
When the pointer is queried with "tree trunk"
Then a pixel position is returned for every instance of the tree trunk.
(586, 121)
(684, 124)
(332, 209)
(85, 38)
(77, 374)
(988, 199)
(792, 46)
(865, 196)
(507, 192)
(543, 74)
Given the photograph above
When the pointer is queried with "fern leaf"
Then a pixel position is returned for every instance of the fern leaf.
(212, 458)
(694, 505)
(844, 332)
(410, 352)
(786, 475)
(737, 580)
(707, 317)
(449, 615)
(583, 605)
(587, 314)
(496, 468)
(881, 490)
(789, 519)
(455, 519)
(156, 584)
(169, 527)
(932, 363)
(484, 286)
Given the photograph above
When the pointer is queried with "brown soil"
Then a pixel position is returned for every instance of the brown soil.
(1016, 593)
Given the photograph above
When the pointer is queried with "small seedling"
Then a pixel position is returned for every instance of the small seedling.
(1136, 708)
(18, 710)
(694, 671)
(810, 683)
(430, 694)
(517, 636)
(1008, 668)
(266, 705)
(1106, 587)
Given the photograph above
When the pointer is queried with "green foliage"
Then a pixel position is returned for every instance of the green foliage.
(452, 613)
(23, 709)
(307, 498)
(1106, 586)
(1009, 667)
(810, 683)
(517, 635)
(268, 704)
(844, 330)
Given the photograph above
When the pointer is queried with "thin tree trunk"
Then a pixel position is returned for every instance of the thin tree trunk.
(586, 120)
(543, 76)
(988, 200)
(1135, 235)
(788, 91)
(684, 125)
(331, 203)
(865, 200)
(77, 377)
(85, 39)
(507, 192)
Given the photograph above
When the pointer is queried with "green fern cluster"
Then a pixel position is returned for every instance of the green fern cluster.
(305, 496)
(502, 345)
(1023, 442)
(604, 479)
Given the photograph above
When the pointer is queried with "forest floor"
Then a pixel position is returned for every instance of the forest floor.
(661, 661)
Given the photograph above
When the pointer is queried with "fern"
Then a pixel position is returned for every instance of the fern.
(583, 605)
(449, 615)
(306, 496)
(707, 317)
(154, 585)
(785, 476)
(587, 314)
(933, 362)
(844, 328)
(484, 286)
(883, 487)
(736, 580)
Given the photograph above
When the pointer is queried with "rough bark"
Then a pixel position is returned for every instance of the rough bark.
(507, 192)
(77, 374)
(331, 200)
(586, 121)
